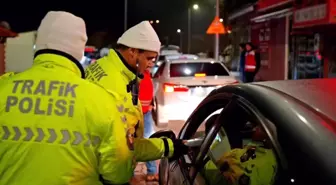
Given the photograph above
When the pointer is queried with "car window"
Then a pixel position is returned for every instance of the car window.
(240, 161)
(161, 58)
(159, 70)
(192, 68)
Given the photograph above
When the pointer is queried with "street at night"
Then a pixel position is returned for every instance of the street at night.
(96, 93)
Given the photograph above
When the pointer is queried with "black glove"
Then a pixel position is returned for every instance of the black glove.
(180, 149)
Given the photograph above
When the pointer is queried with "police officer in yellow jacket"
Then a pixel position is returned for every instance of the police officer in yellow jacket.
(118, 73)
(55, 127)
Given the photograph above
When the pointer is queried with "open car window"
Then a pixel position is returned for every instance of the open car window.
(240, 154)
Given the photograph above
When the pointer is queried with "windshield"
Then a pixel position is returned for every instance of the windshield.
(190, 69)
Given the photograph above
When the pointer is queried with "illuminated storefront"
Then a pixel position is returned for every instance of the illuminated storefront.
(313, 42)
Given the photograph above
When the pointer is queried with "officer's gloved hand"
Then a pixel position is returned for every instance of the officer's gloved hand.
(180, 149)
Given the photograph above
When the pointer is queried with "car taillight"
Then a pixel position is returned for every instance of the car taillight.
(200, 75)
(174, 88)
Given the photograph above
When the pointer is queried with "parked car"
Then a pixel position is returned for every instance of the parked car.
(180, 85)
(298, 119)
(181, 57)
(164, 58)
(169, 50)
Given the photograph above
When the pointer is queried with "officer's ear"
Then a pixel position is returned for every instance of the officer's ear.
(133, 52)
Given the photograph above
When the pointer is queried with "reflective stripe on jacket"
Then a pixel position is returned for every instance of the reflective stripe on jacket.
(52, 132)
(250, 61)
(114, 74)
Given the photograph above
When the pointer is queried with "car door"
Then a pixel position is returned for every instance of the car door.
(291, 167)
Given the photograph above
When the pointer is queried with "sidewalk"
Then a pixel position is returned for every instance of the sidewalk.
(140, 176)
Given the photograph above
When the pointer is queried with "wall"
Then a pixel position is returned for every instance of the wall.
(273, 66)
(24, 45)
(2, 58)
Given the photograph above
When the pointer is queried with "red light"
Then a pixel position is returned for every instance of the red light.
(89, 49)
(174, 88)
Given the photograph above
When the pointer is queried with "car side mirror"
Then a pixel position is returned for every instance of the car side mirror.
(164, 133)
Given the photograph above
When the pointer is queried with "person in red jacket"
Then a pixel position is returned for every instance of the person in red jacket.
(252, 62)
(146, 95)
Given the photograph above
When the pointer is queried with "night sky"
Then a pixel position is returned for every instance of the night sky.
(109, 15)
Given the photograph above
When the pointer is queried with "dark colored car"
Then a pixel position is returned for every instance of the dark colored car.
(296, 117)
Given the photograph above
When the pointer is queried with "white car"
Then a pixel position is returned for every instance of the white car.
(164, 58)
(180, 85)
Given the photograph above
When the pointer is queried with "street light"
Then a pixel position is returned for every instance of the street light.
(179, 31)
(125, 15)
(221, 20)
(195, 7)
(152, 22)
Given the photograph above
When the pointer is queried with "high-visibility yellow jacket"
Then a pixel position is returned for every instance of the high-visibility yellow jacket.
(7, 75)
(261, 170)
(114, 74)
(57, 128)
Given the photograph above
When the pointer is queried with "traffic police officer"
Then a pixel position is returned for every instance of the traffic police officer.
(118, 73)
(51, 132)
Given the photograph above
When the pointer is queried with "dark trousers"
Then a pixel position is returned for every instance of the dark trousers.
(249, 76)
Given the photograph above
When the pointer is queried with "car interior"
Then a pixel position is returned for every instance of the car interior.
(239, 152)
(219, 168)
(239, 146)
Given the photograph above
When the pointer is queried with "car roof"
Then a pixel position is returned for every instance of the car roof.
(198, 60)
(181, 57)
(319, 94)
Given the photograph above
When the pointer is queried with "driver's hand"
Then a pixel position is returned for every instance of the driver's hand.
(180, 148)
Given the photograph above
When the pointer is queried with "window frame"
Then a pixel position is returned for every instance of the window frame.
(160, 70)
(242, 104)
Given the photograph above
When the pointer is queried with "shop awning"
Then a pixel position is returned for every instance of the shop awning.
(7, 33)
(241, 12)
(273, 15)
(266, 5)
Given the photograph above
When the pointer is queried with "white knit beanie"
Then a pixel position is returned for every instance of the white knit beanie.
(64, 32)
(141, 36)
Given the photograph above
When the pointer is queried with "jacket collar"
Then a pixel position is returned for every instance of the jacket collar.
(126, 69)
(59, 58)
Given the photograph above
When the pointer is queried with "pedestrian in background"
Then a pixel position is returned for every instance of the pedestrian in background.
(242, 51)
(146, 95)
(252, 62)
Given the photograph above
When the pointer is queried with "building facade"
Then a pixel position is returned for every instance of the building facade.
(295, 38)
